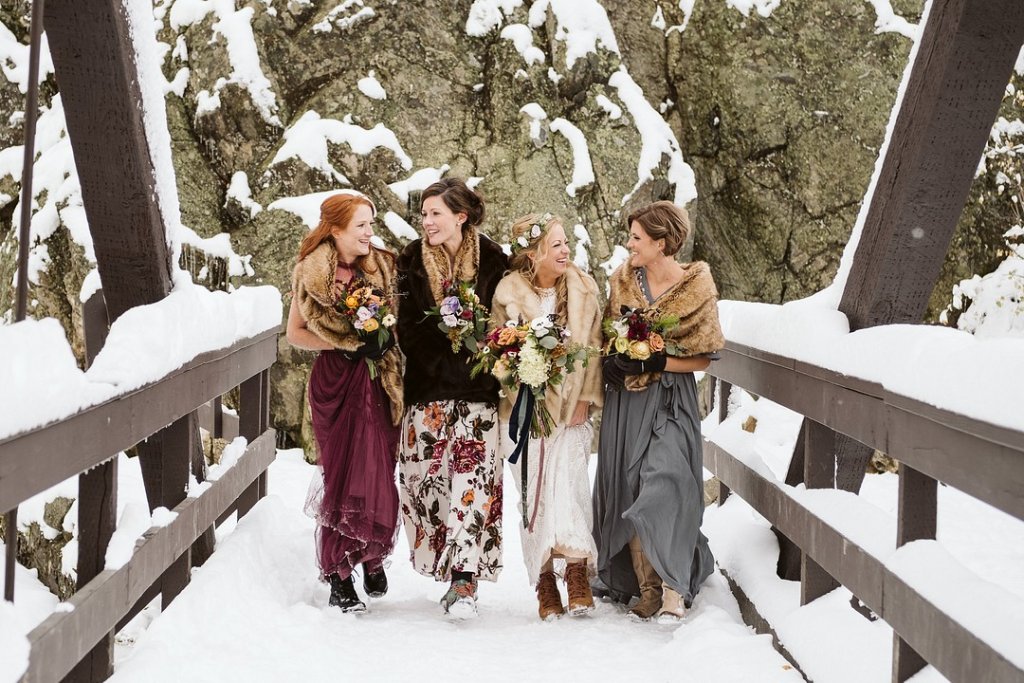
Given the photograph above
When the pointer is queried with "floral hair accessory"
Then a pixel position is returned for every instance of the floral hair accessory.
(536, 232)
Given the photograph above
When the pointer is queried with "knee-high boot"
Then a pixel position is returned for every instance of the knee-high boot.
(650, 582)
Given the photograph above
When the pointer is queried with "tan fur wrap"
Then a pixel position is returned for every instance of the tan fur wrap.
(694, 299)
(464, 269)
(313, 289)
(516, 298)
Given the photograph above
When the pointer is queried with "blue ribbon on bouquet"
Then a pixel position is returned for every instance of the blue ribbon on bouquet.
(519, 424)
(519, 432)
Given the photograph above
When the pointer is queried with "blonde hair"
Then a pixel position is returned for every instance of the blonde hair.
(526, 256)
(663, 220)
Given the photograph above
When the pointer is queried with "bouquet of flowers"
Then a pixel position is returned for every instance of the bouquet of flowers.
(637, 333)
(531, 356)
(370, 314)
(461, 316)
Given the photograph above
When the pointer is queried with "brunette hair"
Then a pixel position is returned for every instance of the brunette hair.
(522, 229)
(663, 220)
(457, 196)
(336, 213)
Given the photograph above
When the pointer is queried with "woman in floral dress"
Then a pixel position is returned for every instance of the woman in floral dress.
(354, 417)
(544, 282)
(450, 472)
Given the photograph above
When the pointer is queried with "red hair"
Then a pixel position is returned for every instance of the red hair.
(336, 213)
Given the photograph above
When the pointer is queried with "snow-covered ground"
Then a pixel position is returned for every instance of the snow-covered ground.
(256, 612)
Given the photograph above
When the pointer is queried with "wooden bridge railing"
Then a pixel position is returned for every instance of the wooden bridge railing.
(931, 444)
(78, 644)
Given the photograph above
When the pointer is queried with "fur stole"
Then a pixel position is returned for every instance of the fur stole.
(694, 299)
(313, 288)
(516, 298)
(463, 269)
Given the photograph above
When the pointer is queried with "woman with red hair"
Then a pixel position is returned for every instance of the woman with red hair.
(354, 415)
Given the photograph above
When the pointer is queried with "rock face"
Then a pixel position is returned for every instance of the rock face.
(272, 102)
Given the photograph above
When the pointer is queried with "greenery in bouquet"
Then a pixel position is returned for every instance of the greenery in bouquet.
(368, 310)
(461, 316)
(638, 333)
(536, 355)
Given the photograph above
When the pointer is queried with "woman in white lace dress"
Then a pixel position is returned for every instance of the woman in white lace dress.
(558, 517)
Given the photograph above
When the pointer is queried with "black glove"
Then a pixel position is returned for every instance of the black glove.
(627, 366)
(372, 348)
(614, 377)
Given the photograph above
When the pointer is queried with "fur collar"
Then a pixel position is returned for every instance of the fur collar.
(464, 267)
(516, 298)
(313, 289)
(694, 299)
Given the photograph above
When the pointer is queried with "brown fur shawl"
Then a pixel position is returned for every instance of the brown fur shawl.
(694, 299)
(313, 288)
(516, 298)
(463, 269)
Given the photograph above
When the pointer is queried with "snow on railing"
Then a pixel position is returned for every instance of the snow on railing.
(981, 378)
(41, 379)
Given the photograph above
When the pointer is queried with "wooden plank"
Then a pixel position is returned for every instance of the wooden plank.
(94, 61)
(64, 638)
(991, 472)
(840, 557)
(929, 439)
(964, 60)
(25, 465)
(950, 647)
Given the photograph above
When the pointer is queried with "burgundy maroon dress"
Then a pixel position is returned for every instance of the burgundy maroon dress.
(358, 509)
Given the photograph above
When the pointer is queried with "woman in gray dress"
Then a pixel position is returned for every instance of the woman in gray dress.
(648, 497)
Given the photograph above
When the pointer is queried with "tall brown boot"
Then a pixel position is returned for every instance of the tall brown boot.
(549, 600)
(650, 582)
(577, 584)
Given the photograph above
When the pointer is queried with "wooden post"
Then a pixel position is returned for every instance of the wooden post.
(253, 420)
(918, 512)
(966, 55)
(21, 300)
(790, 564)
(819, 473)
(94, 61)
(97, 508)
(724, 391)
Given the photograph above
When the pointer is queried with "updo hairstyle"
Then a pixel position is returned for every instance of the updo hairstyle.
(663, 220)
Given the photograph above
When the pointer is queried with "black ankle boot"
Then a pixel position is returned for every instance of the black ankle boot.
(343, 595)
(375, 583)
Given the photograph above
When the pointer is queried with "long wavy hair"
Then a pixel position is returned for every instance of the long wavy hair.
(535, 246)
(336, 213)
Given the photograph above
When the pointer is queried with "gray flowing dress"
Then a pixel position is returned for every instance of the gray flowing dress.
(650, 483)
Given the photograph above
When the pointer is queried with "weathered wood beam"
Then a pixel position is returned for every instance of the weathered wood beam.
(952, 648)
(94, 62)
(97, 509)
(64, 638)
(26, 465)
(931, 440)
(964, 61)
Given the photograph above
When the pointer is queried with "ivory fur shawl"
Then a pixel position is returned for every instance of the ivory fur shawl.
(694, 299)
(313, 288)
(516, 298)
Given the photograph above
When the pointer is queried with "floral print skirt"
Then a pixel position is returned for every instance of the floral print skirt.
(450, 484)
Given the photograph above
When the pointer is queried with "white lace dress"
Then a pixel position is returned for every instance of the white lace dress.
(558, 490)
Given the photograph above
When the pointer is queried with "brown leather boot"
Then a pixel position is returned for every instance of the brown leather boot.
(577, 584)
(549, 600)
(650, 582)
